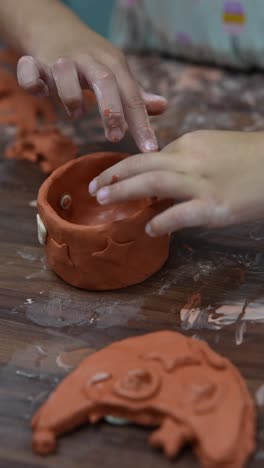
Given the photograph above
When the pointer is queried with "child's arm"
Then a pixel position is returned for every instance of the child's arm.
(215, 177)
(64, 55)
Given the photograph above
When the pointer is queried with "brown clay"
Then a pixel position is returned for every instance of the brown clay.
(89, 98)
(17, 107)
(9, 56)
(181, 386)
(46, 146)
(24, 111)
(93, 246)
(8, 83)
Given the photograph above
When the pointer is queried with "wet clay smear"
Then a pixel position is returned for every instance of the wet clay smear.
(190, 394)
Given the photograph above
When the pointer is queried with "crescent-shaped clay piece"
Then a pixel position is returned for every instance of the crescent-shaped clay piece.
(192, 402)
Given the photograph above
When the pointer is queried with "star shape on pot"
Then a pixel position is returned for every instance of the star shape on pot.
(114, 252)
(60, 253)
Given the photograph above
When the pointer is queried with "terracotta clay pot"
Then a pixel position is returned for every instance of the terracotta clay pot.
(92, 246)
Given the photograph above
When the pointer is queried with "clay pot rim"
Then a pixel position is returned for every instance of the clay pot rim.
(48, 213)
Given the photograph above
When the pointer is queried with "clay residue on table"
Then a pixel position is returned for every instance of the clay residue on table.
(201, 97)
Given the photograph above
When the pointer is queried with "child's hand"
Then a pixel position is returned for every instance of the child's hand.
(64, 56)
(90, 61)
(215, 177)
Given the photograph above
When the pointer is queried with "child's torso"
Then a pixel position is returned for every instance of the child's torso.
(221, 31)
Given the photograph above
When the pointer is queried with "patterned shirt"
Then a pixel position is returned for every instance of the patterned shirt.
(226, 32)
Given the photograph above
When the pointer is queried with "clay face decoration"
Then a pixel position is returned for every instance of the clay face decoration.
(93, 246)
(46, 146)
(190, 393)
(19, 108)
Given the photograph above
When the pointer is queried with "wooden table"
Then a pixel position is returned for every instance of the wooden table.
(46, 326)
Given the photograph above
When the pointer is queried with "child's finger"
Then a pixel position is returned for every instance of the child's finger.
(68, 86)
(189, 214)
(30, 77)
(131, 167)
(104, 84)
(135, 110)
(154, 103)
(159, 184)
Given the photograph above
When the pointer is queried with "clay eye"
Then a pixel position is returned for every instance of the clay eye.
(96, 383)
(65, 201)
(137, 384)
(205, 396)
(99, 378)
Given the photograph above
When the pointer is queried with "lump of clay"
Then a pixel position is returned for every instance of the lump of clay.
(46, 146)
(178, 385)
(8, 83)
(9, 56)
(89, 98)
(93, 246)
(19, 108)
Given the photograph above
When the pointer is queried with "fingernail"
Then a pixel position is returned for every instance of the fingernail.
(150, 145)
(116, 135)
(77, 113)
(103, 195)
(157, 98)
(149, 231)
(93, 187)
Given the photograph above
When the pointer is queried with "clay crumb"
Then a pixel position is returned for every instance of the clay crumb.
(29, 301)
